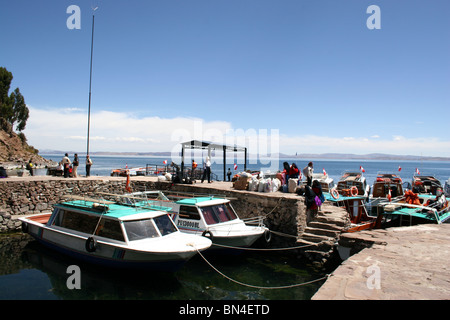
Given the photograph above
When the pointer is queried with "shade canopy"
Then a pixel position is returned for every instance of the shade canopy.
(207, 145)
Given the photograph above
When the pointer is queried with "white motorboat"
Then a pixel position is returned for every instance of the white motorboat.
(111, 234)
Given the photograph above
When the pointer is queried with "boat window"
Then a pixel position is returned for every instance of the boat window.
(140, 229)
(189, 212)
(76, 221)
(218, 213)
(165, 225)
(110, 229)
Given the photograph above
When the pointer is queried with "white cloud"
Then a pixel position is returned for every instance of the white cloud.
(66, 129)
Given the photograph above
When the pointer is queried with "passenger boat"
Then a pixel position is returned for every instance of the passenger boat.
(387, 186)
(425, 184)
(115, 235)
(352, 193)
(325, 181)
(447, 188)
(419, 208)
(208, 216)
(353, 183)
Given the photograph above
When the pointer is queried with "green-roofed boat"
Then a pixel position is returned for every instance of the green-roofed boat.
(115, 235)
(208, 216)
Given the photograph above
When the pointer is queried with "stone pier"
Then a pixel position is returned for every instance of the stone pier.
(404, 263)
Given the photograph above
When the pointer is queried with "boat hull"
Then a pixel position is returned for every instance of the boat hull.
(106, 254)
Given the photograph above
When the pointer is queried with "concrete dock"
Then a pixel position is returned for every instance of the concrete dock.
(405, 263)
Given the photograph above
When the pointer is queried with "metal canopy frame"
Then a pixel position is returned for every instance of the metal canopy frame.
(207, 145)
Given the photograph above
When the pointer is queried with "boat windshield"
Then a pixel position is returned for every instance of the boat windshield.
(218, 213)
(148, 228)
(140, 229)
(165, 225)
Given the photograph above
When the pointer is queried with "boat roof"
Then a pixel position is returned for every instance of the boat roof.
(202, 201)
(112, 210)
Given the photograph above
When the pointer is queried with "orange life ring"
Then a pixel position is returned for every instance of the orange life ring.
(354, 191)
(334, 193)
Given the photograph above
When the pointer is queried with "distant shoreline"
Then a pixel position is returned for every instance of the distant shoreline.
(324, 156)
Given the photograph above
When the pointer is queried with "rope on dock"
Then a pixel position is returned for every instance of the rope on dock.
(260, 287)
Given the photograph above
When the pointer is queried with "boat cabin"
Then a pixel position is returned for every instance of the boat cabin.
(425, 184)
(111, 221)
(353, 179)
(386, 183)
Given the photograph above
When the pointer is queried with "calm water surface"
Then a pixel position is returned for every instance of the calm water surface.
(30, 271)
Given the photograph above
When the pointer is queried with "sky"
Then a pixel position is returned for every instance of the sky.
(290, 76)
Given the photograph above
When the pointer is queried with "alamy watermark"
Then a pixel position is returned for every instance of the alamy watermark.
(74, 280)
(74, 20)
(374, 279)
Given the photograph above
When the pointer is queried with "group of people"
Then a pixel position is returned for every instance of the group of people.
(206, 170)
(312, 190)
(70, 168)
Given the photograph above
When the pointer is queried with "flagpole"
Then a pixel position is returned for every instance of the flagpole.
(90, 80)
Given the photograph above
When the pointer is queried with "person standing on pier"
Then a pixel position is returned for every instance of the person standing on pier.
(66, 164)
(88, 166)
(207, 170)
(75, 165)
(308, 173)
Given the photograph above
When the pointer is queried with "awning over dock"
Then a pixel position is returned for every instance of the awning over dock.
(209, 146)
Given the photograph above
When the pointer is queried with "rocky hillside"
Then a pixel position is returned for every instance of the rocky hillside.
(14, 150)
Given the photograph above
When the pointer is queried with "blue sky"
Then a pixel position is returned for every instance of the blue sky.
(309, 72)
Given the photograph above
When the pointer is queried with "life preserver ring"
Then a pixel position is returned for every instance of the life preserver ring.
(207, 234)
(334, 193)
(354, 191)
(267, 236)
(91, 244)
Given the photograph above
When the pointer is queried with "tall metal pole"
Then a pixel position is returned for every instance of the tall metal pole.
(90, 84)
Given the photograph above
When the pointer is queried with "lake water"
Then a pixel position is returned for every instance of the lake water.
(440, 169)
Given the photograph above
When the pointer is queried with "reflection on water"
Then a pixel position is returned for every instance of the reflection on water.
(30, 271)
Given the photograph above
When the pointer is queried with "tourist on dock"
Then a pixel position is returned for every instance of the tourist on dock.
(229, 174)
(75, 164)
(66, 163)
(30, 167)
(293, 171)
(194, 166)
(88, 166)
(308, 173)
(207, 170)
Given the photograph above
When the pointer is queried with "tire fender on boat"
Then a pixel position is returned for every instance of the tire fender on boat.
(24, 227)
(207, 234)
(91, 244)
(267, 236)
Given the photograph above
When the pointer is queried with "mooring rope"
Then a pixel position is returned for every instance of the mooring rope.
(262, 249)
(260, 287)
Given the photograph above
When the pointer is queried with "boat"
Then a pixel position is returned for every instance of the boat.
(418, 208)
(425, 184)
(206, 215)
(386, 186)
(447, 188)
(114, 235)
(325, 181)
(352, 193)
(353, 183)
